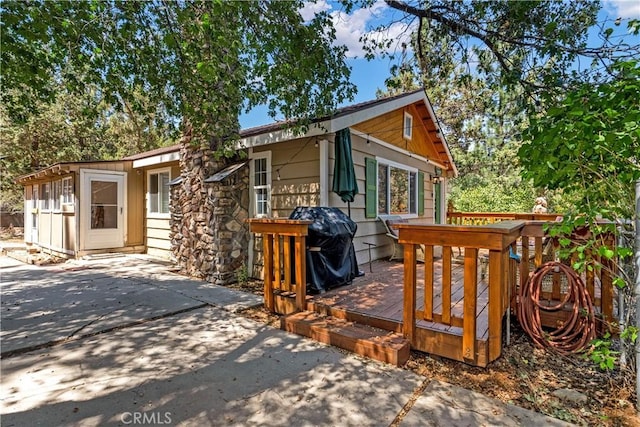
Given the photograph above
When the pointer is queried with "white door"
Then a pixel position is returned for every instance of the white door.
(102, 213)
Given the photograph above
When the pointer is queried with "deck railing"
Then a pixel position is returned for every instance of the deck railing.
(496, 239)
(284, 242)
(484, 218)
(537, 248)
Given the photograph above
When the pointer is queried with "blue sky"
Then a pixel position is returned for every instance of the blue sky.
(369, 76)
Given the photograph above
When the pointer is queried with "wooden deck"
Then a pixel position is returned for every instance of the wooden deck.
(450, 306)
(376, 299)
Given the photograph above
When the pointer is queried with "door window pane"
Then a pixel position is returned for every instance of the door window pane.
(104, 204)
(67, 191)
(44, 197)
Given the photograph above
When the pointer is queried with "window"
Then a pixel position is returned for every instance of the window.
(393, 189)
(34, 205)
(67, 191)
(261, 183)
(57, 194)
(407, 127)
(158, 192)
(45, 195)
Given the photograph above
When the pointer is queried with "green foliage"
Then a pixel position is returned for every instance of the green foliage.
(601, 353)
(199, 62)
(492, 198)
(589, 144)
(75, 127)
(242, 274)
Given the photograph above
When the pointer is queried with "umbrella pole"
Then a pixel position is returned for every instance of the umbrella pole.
(349, 208)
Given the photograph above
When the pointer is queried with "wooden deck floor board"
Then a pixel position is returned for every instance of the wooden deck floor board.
(380, 295)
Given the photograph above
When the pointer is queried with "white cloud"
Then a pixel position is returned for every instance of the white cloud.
(623, 8)
(310, 9)
(350, 28)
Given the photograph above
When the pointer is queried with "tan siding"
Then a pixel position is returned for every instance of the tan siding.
(162, 223)
(57, 230)
(298, 164)
(70, 232)
(157, 230)
(158, 244)
(158, 233)
(135, 206)
(44, 229)
(160, 253)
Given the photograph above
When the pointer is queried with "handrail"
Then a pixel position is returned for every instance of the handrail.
(482, 218)
(534, 236)
(497, 239)
(505, 241)
(277, 237)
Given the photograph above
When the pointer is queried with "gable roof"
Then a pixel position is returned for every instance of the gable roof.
(354, 114)
(343, 117)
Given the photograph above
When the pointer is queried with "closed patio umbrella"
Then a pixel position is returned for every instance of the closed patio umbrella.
(344, 176)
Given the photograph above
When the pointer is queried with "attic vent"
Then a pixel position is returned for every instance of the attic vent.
(407, 128)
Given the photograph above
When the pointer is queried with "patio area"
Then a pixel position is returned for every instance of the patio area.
(457, 305)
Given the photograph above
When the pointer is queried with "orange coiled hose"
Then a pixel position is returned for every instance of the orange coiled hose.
(577, 331)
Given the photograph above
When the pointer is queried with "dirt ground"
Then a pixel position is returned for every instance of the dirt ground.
(527, 377)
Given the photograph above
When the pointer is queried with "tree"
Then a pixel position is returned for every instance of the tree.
(589, 143)
(485, 65)
(527, 44)
(75, 127)
(203, 62)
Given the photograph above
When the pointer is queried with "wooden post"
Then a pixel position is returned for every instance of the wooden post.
(269, 302)
(538, 246)
(428, 282)
(470, 297)
(446, 284)
(606, 291)
(495, 298)
(410, 282)
(277, 278)
(287, 264)
(524, 265)
(301, 273)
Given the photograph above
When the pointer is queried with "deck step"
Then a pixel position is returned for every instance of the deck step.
(364, 340)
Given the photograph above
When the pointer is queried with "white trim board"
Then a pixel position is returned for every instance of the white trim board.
(334, 125)
(156, 160)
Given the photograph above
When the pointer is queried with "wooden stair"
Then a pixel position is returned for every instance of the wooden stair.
(364, 340)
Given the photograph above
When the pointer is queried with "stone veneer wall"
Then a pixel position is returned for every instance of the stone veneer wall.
(209, 234)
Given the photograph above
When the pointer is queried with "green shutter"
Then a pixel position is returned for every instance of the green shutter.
(420, 193)
(437, 189)
(371, 200)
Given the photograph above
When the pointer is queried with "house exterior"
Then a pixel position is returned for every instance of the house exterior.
(154, 202)
(72, 209)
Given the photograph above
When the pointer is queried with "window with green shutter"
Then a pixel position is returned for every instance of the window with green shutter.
(371, 200)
